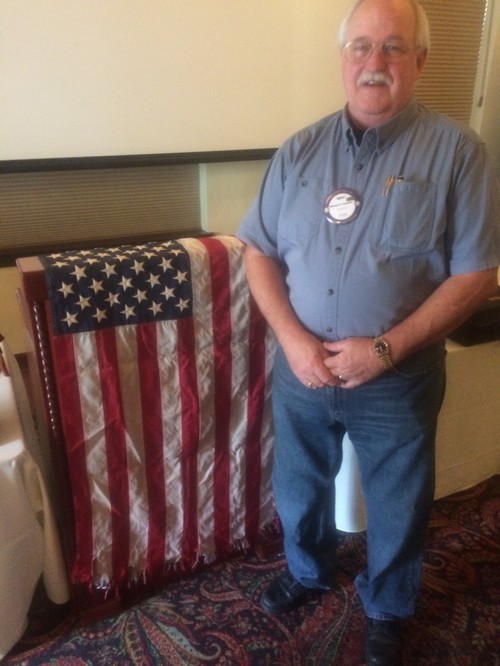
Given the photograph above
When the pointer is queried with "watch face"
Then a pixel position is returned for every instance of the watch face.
(381, 347)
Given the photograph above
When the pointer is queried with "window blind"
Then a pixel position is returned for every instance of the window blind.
(449, 78)
(49, 211)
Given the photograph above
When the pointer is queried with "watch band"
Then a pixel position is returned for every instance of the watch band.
(382, 349)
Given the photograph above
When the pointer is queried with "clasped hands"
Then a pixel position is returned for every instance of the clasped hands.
(347, 363)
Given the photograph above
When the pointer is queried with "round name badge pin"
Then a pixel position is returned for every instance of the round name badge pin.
(342, 206)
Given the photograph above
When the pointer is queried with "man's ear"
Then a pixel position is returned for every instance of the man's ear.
(421, 59)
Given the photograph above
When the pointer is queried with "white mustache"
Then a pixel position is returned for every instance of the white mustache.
(374, 77)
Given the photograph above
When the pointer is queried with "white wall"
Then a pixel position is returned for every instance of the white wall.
(227, 190)
(118, 77)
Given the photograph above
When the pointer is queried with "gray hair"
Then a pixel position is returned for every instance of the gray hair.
(422, 37)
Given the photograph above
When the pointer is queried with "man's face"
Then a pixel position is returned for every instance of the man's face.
(373, 100)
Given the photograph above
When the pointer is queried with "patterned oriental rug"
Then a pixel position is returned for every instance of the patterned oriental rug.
(214, 617)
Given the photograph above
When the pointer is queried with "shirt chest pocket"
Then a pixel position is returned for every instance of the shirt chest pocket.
(409, 220)
(302, 211)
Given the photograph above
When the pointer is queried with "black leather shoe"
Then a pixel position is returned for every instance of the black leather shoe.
(283, 594)
(383, 643)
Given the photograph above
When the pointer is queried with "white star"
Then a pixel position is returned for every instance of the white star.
(79, 272)
(168, 293)
(181, 277)
(166, 264)
(97, 286)
(109, 269)
(155, 308)
(141, 296)
(129, 311)
(84, 302)
(100, 314)
(138, 266)
(66, 289)
(182, 304)
(153, 279)
(70, 319)
(126, 283)
(113, 299)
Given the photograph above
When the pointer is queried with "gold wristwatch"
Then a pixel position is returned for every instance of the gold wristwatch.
(381, 347)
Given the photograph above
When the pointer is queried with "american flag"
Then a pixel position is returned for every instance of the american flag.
(162, 364)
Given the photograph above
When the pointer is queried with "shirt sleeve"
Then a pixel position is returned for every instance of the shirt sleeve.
(259, 227)
(473, 232)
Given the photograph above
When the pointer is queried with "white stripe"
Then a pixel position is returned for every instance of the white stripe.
(240, 320)
(172, 437)
(89, 384)
(126, 344)
(203, 333)
(267, 506)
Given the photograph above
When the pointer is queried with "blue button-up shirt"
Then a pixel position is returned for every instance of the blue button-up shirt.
(417, 202)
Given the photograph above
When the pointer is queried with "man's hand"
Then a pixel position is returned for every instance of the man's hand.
(353, 361)
(307, 358)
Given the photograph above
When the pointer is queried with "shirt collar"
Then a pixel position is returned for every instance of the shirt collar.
(385, 134)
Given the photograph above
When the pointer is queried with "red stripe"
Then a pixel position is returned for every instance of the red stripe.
(66, 376)
(190, 419)
(152, 420)
(256, 401)
(116, 451)
(222, 351)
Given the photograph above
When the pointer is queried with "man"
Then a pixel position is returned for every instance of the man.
(374, 235)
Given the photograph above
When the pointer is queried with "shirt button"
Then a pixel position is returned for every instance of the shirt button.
(330, 292)
(359, 167)
(329, 329)
(338, 250)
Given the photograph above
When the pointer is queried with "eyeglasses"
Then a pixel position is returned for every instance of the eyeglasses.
(360, 50)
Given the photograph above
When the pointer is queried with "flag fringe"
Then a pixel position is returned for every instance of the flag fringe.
(104, 589)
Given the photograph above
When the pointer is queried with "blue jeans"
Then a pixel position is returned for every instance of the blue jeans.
(391, 422)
